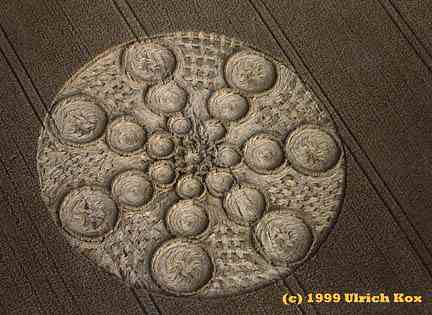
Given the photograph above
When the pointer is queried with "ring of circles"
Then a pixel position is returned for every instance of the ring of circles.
(191, 164)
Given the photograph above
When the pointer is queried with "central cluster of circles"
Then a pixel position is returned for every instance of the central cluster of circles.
(178, 265)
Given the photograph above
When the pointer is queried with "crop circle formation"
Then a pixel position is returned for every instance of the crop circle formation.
(191, 164)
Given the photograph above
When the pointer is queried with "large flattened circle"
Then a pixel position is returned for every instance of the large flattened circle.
(149, 62)
(312, 150)
(181, 267)
(250, 72)
(282, 238)
(88, 212)
(78, 120)
(191, 164)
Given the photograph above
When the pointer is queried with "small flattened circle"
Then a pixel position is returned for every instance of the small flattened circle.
(227, 105)
(179, 125)
(162, 172)
(187, 219)
(124, 135)
(88, 212)
(227, 156)
(160, 145)
(132, 189)
(282, 238)
(181, 267)
(149, 62)
(219, 182)
(312, 151)
(250, 72)
(166, 98)
(78, 120)
(263, 153)
(244, 205)
(189, 187)
(214, 130)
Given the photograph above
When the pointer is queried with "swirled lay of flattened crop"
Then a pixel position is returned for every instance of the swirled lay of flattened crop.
(191, 164)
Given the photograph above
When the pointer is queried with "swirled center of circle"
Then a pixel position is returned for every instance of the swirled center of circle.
(191, 164)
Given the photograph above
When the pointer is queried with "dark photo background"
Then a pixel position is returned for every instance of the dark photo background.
(368, 61)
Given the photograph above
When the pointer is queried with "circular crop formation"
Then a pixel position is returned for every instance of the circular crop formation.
(191, 164)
